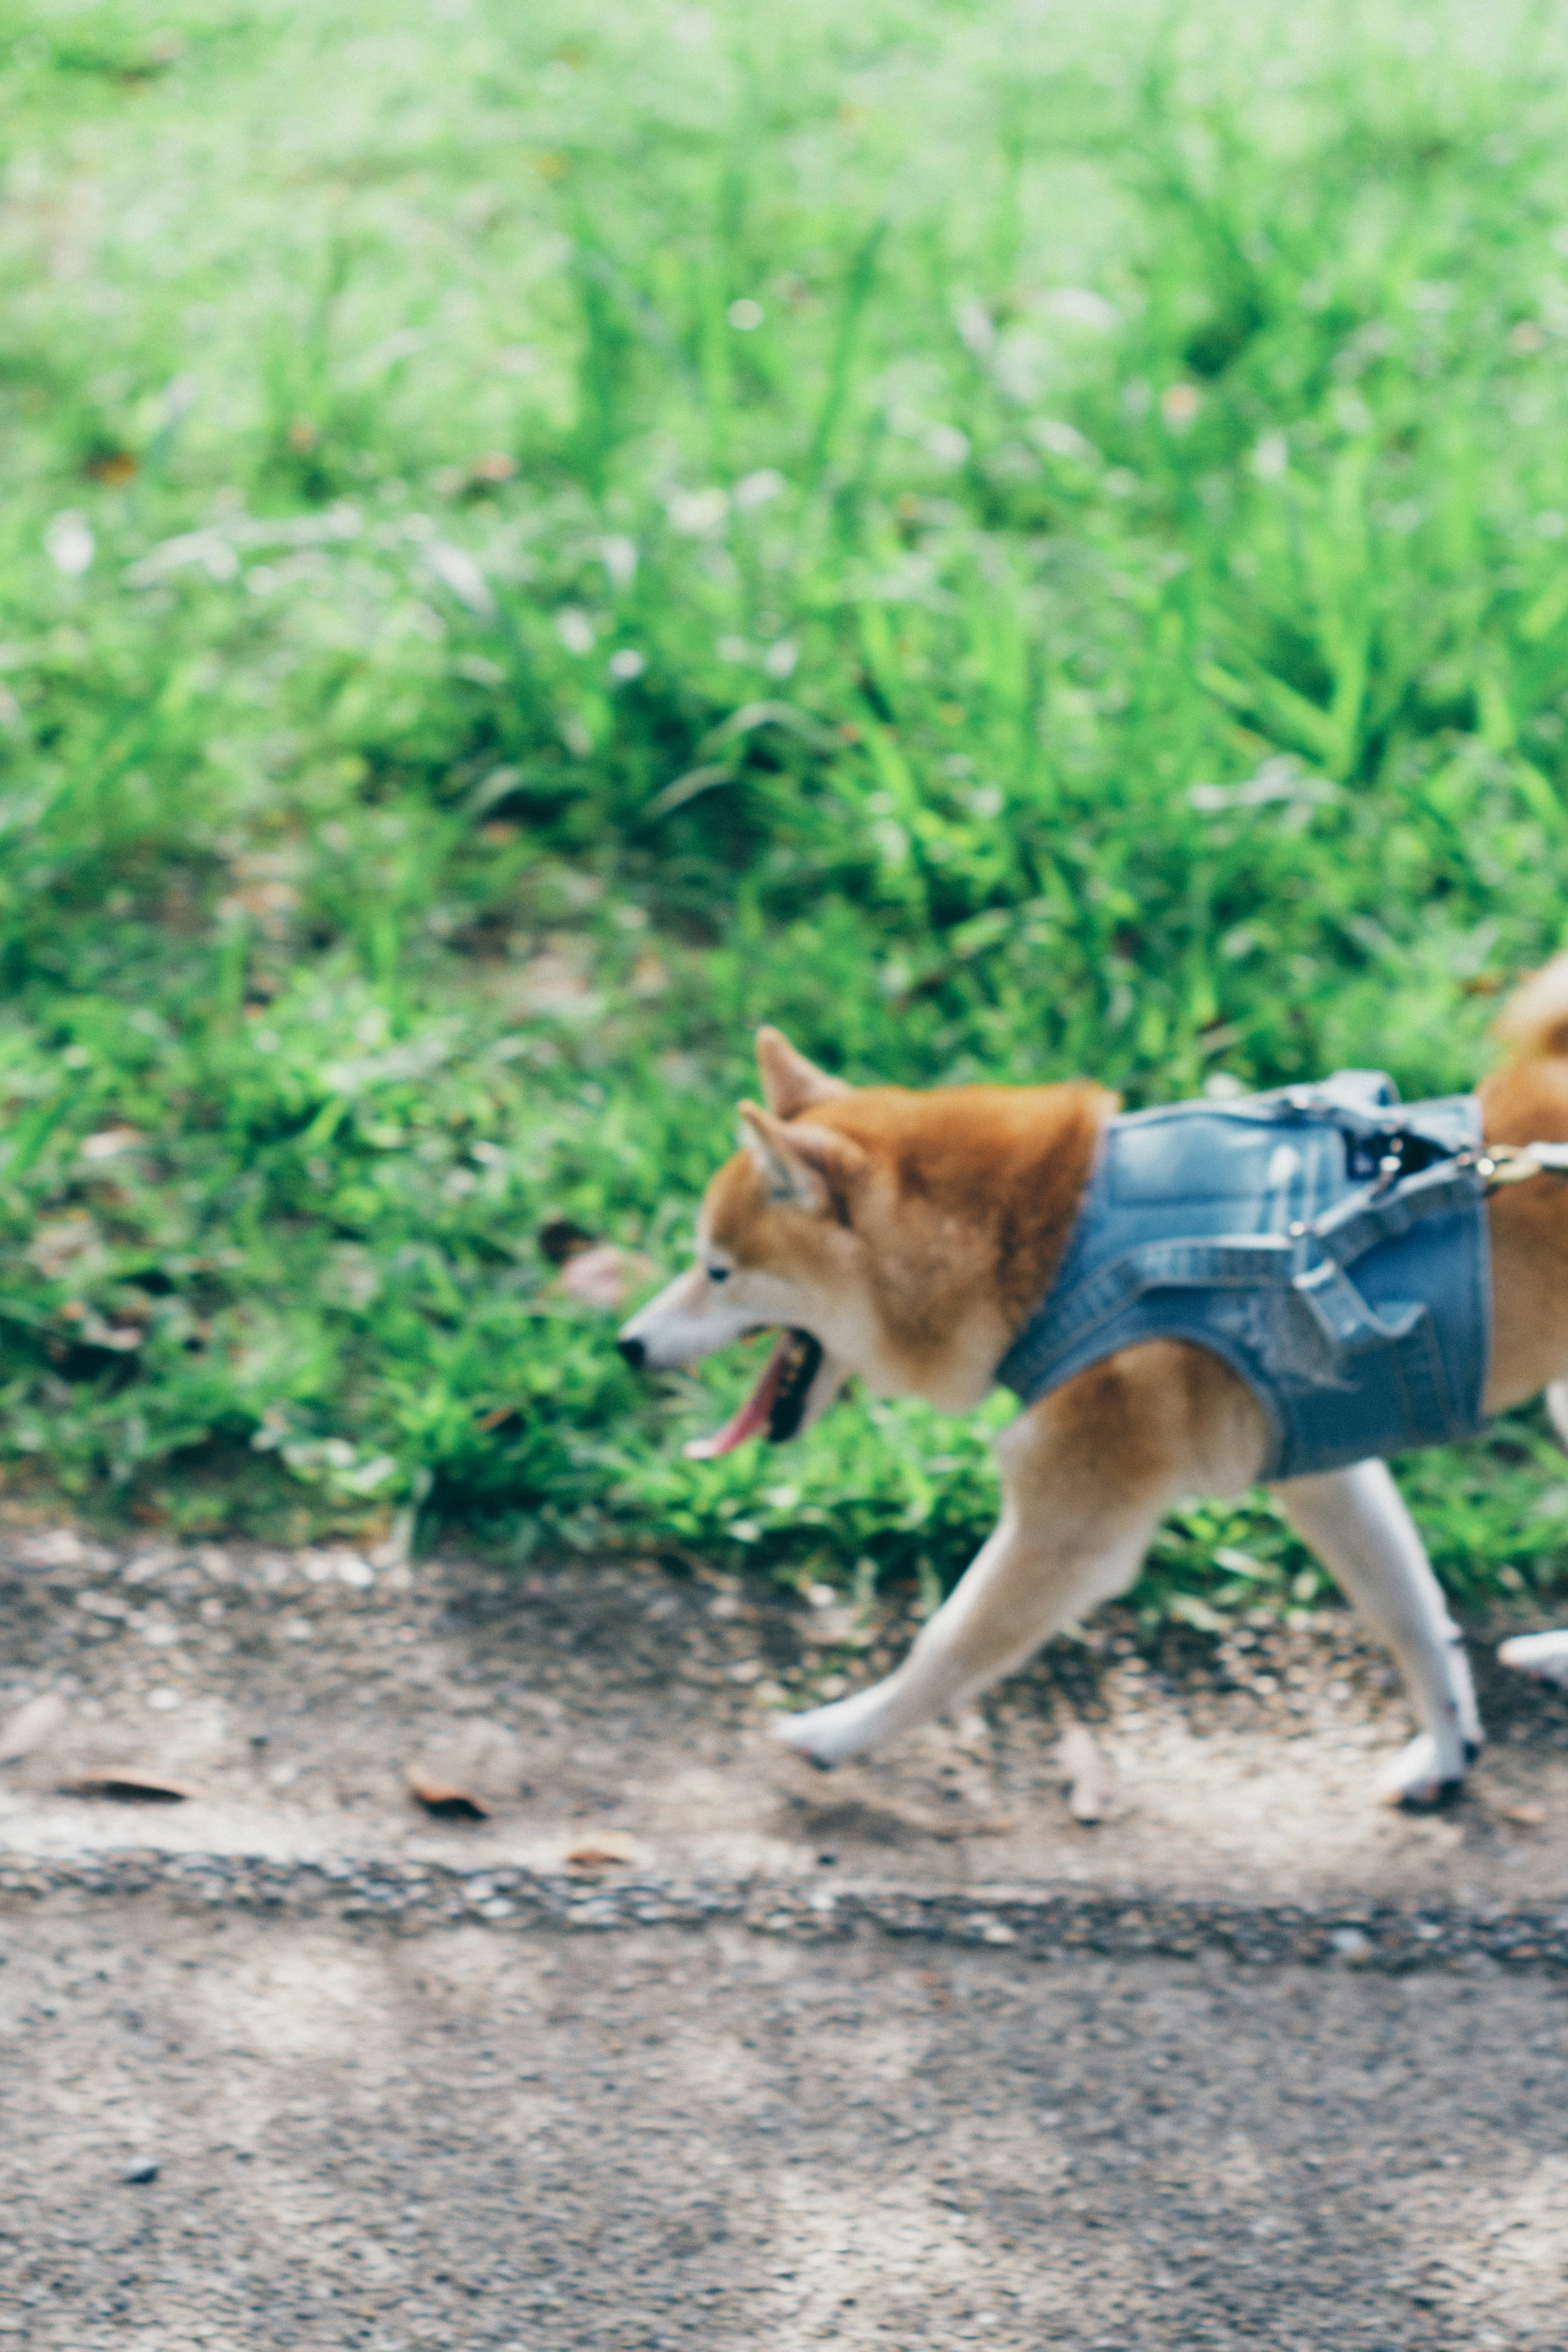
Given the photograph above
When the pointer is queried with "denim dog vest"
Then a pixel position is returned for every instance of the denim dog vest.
(1329, 1243)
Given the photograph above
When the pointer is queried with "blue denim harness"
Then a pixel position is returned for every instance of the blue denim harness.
(1329, 1243)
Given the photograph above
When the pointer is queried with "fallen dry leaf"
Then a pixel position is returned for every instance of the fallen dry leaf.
(108, 1141)
(32, 1725)
(130, 1788)
(497, 1417)
(1091, 1783)
(553, 982)
(61, 1240)
(447, 1802)
(1525, 1817)
(115, 466)
(602, 1276)
(854, 1817)
(939, 1825)
(559, 1239)
(602, 1850)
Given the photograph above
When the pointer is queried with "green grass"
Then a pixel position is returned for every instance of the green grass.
(533, 540)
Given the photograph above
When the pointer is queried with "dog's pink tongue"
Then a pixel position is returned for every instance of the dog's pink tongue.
(753, 1415)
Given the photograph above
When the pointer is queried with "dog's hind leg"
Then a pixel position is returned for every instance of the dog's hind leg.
(1357, 1524)
(1545, 1656)
(1542, 1656)
(1557, 1412)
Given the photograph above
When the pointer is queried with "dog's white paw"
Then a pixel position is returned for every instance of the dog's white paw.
(830, 1735)
(1425, 1773)
(1542, 1656)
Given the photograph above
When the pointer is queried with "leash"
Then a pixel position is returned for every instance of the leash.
(1496, 1164)
(1515, 1163)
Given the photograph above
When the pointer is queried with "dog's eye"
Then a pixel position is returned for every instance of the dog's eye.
(718, 1273)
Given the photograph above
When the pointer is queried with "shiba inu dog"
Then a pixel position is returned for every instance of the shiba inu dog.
(908, 1238)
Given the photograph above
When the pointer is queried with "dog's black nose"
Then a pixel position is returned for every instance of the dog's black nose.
(633, 1351)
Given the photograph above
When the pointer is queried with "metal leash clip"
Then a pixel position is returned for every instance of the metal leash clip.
(1515, 1163)
(1390, 1167)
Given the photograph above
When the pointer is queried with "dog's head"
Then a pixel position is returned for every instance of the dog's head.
(890, 1235)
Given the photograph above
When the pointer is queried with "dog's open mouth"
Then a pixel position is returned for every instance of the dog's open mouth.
(775, 1405)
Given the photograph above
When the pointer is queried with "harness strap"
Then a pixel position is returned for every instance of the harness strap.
(1311, 1259)
(1380, 1215)
(1357, 1314)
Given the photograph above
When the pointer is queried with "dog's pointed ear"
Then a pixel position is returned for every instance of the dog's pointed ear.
(802, 1166)
(791, 1083)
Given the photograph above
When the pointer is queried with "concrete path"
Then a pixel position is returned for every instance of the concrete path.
(685, 2046)
(662, 2138)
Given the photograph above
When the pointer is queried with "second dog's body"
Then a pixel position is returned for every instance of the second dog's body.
(908, 1238)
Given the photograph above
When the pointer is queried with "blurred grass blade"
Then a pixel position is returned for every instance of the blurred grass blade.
(857, 290)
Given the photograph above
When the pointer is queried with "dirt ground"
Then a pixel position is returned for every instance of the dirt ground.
(513, 2133)
(296, 1692)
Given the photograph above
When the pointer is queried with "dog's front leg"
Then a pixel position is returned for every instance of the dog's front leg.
(1085, 1473)
(1022, 1586)
(1356, 1522)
